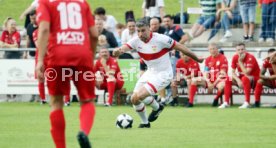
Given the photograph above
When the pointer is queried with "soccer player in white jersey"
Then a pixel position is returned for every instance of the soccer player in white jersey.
(154, 49)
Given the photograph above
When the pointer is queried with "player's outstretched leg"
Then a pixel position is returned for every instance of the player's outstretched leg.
(140, 108)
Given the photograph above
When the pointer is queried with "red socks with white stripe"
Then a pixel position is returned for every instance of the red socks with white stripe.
(87, 115)
(58, 128)
(141, 110)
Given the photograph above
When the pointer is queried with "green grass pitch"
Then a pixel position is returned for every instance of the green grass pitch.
(26, 125)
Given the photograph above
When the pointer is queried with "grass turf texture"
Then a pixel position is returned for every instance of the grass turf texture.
(116, 8)
(26, 125)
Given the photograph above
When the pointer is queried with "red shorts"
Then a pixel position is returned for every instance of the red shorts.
(252, 83)
(119, 85)
(58, 81)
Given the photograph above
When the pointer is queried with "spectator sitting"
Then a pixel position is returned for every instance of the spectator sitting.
(268, 20)
(109, 35)
(248, 14)
(30, 29)
(10, 38)
(109, 21)
(130, 32)
(207, 19)
(155, 26)
(102, 42)
(119, 28)
(153, 8)
(108, 75)
(231, 16)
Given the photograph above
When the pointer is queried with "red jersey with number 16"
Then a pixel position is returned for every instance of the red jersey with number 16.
(69, 43)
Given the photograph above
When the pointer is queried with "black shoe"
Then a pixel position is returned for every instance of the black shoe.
(43, 102)
(190, 105)
(144, 125)
(174, 102)
(154, 114)
(83, 140)
(215, 103)
(245, 38)
(257, 105)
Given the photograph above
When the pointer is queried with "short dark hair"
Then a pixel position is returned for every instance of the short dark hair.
(142, 23)
(240, 44)
(33, 12)
(271, 50)
(99, 11)
(168, 16)
(130, 20)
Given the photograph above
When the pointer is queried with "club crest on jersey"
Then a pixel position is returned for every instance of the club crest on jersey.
(154, 48)
(217, 63)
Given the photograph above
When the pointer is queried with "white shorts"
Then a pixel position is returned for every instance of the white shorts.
(154, 81)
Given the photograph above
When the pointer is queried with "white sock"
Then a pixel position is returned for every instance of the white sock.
(141, 110)
(152, 102)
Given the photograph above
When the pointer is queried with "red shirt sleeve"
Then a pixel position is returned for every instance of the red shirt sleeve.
(42, 12)
(89, 16)
(234, 62)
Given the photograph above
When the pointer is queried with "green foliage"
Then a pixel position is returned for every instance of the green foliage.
(26, 125)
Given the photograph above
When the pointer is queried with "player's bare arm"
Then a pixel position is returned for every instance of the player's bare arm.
(118, 51)
(42, 42)
(187, 52)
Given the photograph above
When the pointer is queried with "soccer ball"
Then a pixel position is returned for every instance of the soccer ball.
(124, 121)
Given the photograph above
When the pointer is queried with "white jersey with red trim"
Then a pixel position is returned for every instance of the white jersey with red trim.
(155, 52)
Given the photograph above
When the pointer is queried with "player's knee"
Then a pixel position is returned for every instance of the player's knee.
(56, 102)
(245, 79)
(135, 99)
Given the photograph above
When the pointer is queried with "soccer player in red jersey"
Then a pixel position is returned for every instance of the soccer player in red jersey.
(215, 75)
(67, 33)
(186, 70)
(269, 81)
(248, 72)
(110, 78)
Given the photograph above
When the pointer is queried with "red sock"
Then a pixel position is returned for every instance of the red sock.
(41, 90)
(192, 92)
(58, 128)
(246, 88)
(67, 98)
(258, 92)
(111, 90)
(87, 114)
(227, 90)
(218, 95)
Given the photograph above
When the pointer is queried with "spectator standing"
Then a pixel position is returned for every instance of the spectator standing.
(30, 29)
(268, 20)
(248, 14)
(153, 8)
(208, 17)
